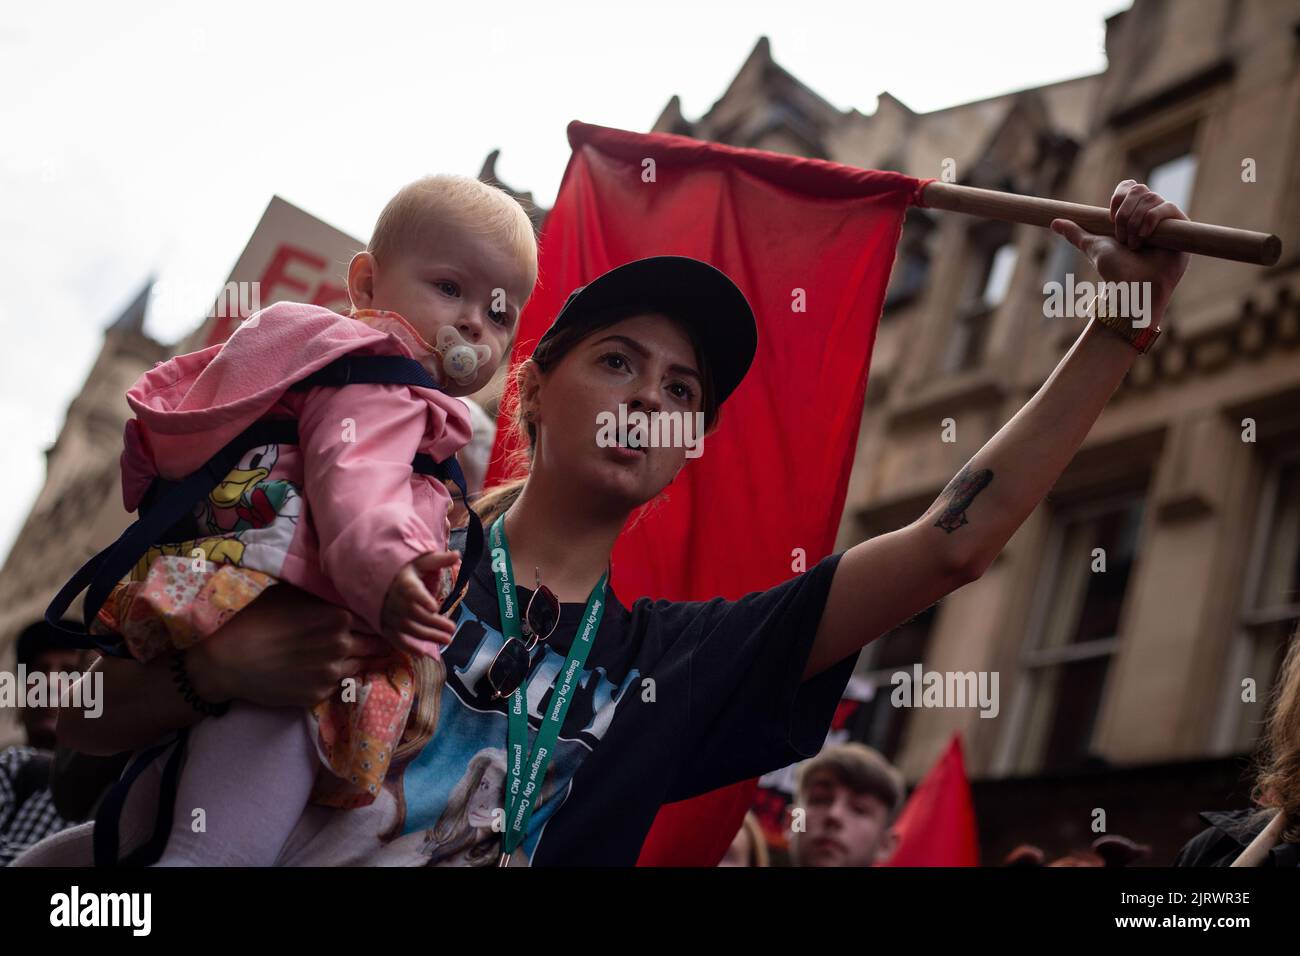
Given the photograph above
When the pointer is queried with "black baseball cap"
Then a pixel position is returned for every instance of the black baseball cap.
(687, 289)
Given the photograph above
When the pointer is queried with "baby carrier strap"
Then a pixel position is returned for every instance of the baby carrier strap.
(169, 502)
(368, 370)
(105, 837)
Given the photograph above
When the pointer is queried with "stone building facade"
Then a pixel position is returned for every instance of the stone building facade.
(79, 509)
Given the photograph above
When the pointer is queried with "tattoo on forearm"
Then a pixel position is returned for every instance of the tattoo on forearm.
(961, 492)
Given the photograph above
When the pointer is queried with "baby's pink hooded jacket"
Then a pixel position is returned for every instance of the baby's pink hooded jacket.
(340, 513)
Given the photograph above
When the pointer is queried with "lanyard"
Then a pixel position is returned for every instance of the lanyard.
(523, 786)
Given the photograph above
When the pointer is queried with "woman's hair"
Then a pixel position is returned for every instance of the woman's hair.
(523, 434)
(430, 676)
(468, 204)
(430, 682)
(1277, 781)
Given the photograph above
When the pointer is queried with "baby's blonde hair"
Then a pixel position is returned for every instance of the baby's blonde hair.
(462, 202)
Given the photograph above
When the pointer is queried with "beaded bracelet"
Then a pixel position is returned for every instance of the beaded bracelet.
(182, 679)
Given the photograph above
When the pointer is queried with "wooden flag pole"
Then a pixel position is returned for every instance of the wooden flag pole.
(1222, 242)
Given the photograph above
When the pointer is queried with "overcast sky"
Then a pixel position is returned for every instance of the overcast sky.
(140, 138)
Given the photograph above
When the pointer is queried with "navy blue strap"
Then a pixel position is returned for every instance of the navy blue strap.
(106, 840)
(369, 370)
(450, 470)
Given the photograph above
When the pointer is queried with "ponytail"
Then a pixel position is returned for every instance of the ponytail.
(497, 500)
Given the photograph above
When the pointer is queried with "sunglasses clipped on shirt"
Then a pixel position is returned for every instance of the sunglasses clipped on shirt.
(513, 661)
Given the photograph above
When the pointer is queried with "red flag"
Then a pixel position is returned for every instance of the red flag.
(937, 826)
(811, 244)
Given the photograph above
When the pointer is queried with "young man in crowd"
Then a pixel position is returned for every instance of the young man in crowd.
(845, 803)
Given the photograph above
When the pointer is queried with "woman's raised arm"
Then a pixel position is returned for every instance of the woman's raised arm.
(286, 649)
(882, 582)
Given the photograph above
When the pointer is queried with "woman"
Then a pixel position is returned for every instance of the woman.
(675, 698)
(1267, 834)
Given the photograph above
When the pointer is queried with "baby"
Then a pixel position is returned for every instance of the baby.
(339, 512)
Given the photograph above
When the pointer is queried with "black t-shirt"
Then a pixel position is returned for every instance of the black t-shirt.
(1229, 833)
(676, 699)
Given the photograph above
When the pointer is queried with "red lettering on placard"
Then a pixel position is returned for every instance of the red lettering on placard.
(277, 271)
(278, 283)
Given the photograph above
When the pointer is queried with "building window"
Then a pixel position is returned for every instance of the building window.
(913, 267)
(1061, 259)
(1173, 179)
(877, 723)
(998, 277)
(989, 283)
(1272, 607)
(1074, 635)
(1168, 166)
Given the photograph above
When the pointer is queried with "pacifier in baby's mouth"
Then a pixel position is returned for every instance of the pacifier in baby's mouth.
(461, 360)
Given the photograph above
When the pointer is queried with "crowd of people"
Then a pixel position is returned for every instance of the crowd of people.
(848, 798)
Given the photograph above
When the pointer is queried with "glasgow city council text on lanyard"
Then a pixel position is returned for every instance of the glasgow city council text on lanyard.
(523, 788)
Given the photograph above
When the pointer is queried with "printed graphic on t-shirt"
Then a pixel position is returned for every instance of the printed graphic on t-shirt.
(454, 790)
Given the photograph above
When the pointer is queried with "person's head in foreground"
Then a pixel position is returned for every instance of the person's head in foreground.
(455, 259)
(849, 796)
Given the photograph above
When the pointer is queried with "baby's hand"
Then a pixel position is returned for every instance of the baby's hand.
(411, 618)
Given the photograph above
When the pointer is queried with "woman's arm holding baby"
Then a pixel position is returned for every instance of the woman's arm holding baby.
(286, 649)
(882, 582)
